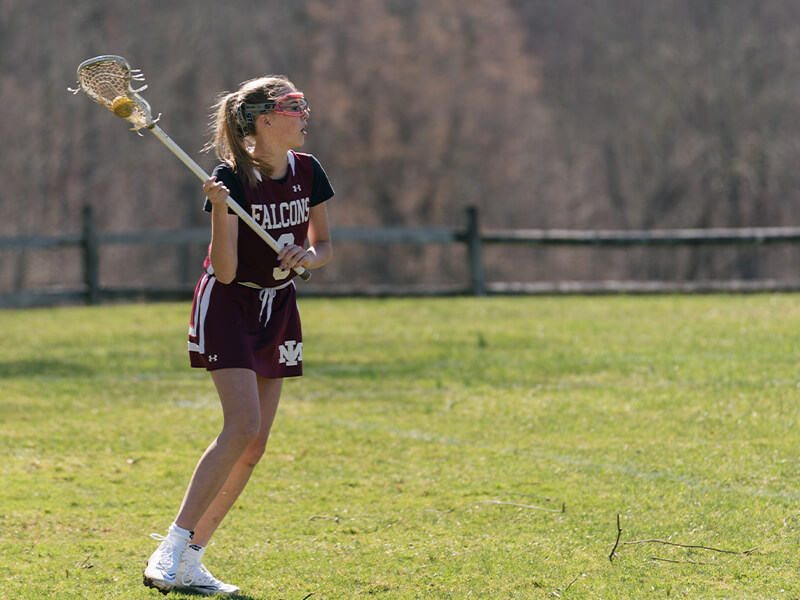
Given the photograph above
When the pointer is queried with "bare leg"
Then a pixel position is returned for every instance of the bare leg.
(269, 391)
(241, 409)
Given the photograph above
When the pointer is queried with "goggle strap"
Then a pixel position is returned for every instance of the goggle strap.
(258, 108)
(268, 106)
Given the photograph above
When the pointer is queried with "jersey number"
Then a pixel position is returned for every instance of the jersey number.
(283, 241)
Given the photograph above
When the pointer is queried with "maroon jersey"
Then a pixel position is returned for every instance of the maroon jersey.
(282, 208)
(258, 328)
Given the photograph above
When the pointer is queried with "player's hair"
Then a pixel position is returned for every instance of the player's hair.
(231, 134)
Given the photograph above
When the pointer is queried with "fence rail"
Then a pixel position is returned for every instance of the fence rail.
(651, 237)
(90, 241)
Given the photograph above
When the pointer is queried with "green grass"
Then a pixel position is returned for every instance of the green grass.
(443, 449)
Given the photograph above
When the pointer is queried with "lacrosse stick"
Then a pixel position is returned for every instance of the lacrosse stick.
(107, 81)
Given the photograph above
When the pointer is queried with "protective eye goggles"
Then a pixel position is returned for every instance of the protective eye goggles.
(293, 104)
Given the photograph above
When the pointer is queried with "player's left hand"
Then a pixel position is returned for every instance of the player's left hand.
(292, 256)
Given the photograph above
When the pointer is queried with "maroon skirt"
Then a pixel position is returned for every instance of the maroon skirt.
(237, 326)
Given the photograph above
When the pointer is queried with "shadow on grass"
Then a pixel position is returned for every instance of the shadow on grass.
(189, 594)
(43, 368)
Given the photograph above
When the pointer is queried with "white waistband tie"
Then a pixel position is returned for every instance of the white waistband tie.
(266, 295)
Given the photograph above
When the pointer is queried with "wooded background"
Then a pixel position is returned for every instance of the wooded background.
(618, 114)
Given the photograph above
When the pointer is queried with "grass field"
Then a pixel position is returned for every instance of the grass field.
(444, 449)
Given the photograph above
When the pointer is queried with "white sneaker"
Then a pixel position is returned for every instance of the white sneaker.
(193, 576)
(163, 564)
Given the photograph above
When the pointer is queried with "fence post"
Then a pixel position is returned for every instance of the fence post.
(90, 256)
(475, 252)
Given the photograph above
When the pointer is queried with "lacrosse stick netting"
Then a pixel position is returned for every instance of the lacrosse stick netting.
(107, 81)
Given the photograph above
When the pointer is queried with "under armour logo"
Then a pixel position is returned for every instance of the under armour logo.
(296, 188)
(212, 358)
(291, 353)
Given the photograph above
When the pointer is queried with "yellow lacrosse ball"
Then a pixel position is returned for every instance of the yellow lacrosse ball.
(122, 106)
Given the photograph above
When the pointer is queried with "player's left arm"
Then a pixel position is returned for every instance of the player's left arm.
(319, 236)
(320, 248)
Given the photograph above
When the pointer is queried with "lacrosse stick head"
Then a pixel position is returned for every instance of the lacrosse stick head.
(107, 80)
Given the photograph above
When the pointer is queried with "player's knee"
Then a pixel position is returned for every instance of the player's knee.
(242, 432)
(256, 450)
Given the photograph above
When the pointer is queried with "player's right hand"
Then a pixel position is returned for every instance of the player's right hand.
(215, 191)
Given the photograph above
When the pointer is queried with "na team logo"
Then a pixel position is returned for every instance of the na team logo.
(283, 215)
(291, 353)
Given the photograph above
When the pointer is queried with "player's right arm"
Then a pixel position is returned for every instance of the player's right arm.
(224, 232)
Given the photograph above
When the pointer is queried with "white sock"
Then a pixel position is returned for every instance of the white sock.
(180, 531)
(193, 552)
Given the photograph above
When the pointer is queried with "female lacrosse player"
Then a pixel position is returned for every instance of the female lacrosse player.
(245, 326)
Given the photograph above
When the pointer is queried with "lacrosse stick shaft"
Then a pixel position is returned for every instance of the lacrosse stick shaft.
(232, 204)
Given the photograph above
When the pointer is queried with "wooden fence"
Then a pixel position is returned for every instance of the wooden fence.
(90, 241)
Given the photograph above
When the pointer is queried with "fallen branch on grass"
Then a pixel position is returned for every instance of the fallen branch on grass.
(338, 519)
(530, 506)
(571, 582)
(691, 546)
(677, 562)
(555, 591)
(325, 518)
(85, 564)
(667, 543)
(619, 535)
(496, 502)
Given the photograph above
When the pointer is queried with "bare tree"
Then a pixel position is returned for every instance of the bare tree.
(611, 113)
